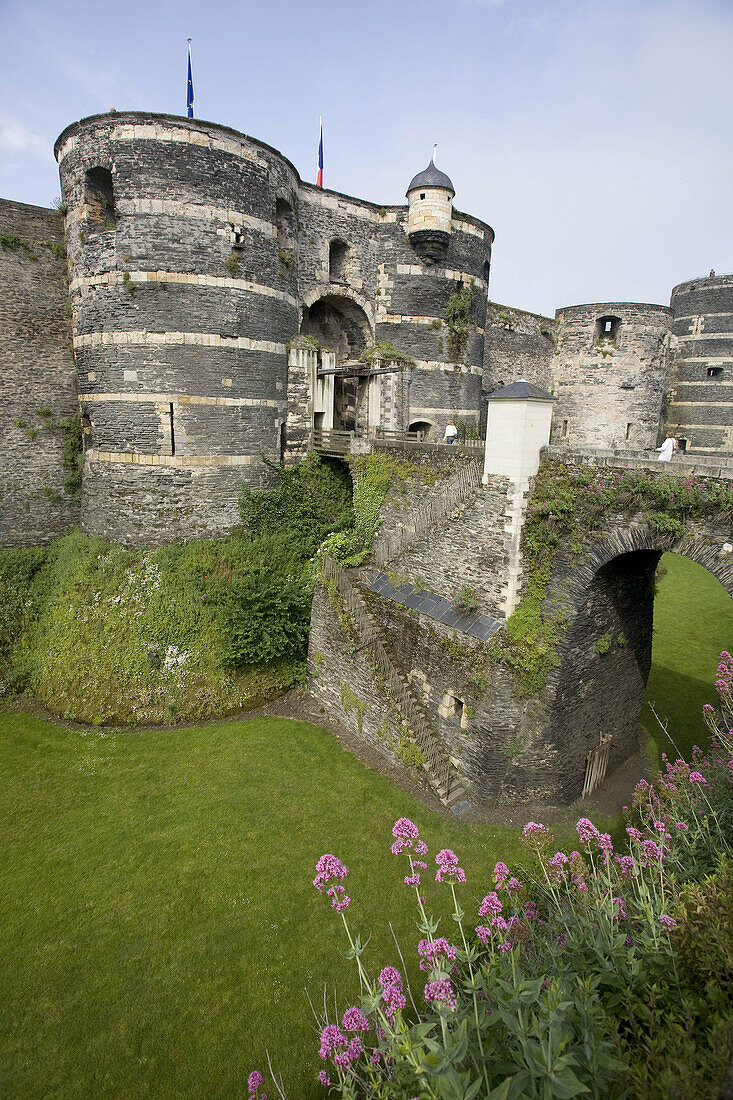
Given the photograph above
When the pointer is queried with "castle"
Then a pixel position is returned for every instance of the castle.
(204, 310)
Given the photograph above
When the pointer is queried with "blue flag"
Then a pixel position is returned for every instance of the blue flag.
(189, 89)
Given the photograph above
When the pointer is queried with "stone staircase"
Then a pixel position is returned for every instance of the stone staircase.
(459, 490)
(441, 768)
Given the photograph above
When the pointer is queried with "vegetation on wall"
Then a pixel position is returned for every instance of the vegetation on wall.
(377, 478)
(387, 352)
(568, 504)
(456, 321)
(102, 633)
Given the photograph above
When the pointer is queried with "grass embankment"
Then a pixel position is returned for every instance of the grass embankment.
(159, 922)
(693, 622)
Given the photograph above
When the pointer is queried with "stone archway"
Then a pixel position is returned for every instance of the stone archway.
(606, 651)
(339, 323)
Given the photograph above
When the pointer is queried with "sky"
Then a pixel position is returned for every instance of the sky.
(594, 137)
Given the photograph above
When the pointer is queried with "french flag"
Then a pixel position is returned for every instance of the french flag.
(319, 177)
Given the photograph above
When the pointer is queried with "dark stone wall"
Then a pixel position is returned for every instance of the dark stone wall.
(36, 373)
(182, 298)
(611, 390)
(700, 408)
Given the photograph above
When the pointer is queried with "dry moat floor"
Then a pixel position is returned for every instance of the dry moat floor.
(158, 922)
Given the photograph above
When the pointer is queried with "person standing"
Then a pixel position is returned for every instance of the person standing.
(668, 448)
(451, 432)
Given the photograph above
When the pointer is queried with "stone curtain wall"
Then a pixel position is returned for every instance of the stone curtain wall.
(518, 345)
(36, 373)
(182, 311)
(610, 390)
(701, 400)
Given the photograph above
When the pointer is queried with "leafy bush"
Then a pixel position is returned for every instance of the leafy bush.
(591, 972)
(102, 633)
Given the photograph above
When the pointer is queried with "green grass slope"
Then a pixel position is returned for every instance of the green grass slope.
(693, 622)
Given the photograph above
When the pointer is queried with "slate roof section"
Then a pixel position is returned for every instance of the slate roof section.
(521, 391)
(431, 177)
(435, 607)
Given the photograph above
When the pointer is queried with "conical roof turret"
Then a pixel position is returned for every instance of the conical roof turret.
(431, 177)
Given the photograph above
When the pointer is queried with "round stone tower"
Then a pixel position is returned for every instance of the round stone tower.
(700, 411)
(610, 374)
(183, 263)
(429, 213)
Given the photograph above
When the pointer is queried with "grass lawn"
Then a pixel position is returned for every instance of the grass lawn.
(157, 916)
(693, 622)
(158, 920)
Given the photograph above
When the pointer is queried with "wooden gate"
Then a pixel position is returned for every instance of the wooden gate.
(596, 765)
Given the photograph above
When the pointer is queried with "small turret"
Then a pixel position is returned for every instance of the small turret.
(430, 209)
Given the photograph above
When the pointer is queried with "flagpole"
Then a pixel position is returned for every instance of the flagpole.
(319, 177)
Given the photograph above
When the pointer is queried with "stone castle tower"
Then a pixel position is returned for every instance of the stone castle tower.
(198, 260)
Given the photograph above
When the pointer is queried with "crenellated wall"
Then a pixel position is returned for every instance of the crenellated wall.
(37, 377)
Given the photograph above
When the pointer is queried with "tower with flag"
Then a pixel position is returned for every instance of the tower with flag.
(319, 177)
(189, 86)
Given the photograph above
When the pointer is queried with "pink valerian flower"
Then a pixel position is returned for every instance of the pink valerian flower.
(328, 867)
(556, 867)
(668, 922)
(394, 999)
(501, 873)
(562, 941)
(406, 834)
(506, 945)
(626, 865)
(696, 777)
(530, 910)
(332, 1040)
(586, 831)
(253, 1083)
(621, 914)
(483, 933)
(659, 826)
(340, 899)
(513, 884)
(490, 904)
(430, 953)
(605, 845)
(345, 1057)
(354, 1020)
(448, 868)
(533, 830)
(414, 878)
(441, 993)
(682, 826)
(577, 868)
(323, 1078)
(651, 853)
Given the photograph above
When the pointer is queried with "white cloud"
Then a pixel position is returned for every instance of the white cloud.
(17, 138)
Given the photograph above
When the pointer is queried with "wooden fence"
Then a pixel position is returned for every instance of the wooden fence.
(596, 765)
(464, 482)
(442, 771)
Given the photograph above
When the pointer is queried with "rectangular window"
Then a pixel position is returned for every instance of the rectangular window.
(715, 372)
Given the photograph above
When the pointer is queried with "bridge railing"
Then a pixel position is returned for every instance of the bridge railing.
(720, 466)
(438, 764)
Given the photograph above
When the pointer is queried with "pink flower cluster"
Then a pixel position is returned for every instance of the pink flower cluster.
(433, 954)
(448, 868)
(407, 836)
(338, 1047)
(441, 993)
(393, 996)
(491, 905)
(327, 868)
(253, 1083)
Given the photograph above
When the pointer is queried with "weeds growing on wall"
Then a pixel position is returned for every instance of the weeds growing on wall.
(387, 352)
(72, 455)
(377, 478)
(101, 633)
(457, 310)
(567, 504)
